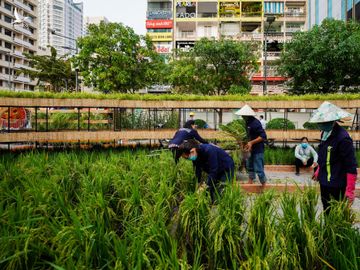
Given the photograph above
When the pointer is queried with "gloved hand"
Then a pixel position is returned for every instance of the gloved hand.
(316, 174)
(350, 187)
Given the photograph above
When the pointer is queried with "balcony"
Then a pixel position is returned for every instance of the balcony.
(249, 36)
(23, 30)
(19, 66)
(18, 53)
(185, 35)
(22, 79)
(23, 6)
(273, 55)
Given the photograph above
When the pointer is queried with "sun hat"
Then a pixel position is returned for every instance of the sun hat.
(191, 113)
(246, 111)
(328, 112)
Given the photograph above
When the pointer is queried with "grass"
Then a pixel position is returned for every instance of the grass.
(123, 209)
(5, 93)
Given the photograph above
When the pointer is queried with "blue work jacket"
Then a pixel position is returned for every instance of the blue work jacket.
(255, 130)
(336, 158)
(214, 161)
(184, 134)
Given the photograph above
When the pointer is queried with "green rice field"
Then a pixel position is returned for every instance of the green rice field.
(124, 209)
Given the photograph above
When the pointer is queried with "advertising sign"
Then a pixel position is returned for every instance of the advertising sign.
(163, 48)
(185, 45)
(185, 9)
(160, 36)
(17, 118)
(229, 9)
(159, 24)
(159, 14)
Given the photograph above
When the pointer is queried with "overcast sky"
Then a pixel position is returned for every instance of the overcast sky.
(131, 13)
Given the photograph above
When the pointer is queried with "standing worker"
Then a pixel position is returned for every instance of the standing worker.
(191, 116)
(337, 168)
(305, 155)
(188, 132)
(256, 136)
(211, 159)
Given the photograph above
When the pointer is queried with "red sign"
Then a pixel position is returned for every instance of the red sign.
(17, 118)
(159, 24)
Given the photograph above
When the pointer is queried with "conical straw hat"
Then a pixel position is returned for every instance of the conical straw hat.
(246, 111)
(328, 112)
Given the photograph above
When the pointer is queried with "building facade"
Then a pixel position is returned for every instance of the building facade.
(60, 24)
(179, 24)
(15, 40)
(318, 10)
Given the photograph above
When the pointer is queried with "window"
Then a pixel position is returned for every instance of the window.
(8, 32)
(7, 19)
(7, 6)
(7, 71)
(7, 45)
(31, 41)
(8, 58)
(57, 7)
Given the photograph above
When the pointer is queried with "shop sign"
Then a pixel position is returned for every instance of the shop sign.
(159, 24)
(160, 36)
(185, 45)
(163, 48)
(159, 14)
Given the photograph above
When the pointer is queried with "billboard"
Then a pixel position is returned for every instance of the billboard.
(185, 45)
(229, 9)
(159, 24)
(14, 118)
(159, 14)
(185, 9)
(160, 36)
(163, 48)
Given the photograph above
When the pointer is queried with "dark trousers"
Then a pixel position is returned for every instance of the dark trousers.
(299, 163)
(216, 187)
(328, 193)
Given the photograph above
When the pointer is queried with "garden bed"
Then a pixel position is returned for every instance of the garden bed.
(137, 210)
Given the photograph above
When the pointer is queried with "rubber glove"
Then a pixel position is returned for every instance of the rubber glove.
(350, 186)
(316, 174)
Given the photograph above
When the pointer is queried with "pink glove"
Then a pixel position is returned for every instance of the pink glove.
(316, 174)
(350, 186)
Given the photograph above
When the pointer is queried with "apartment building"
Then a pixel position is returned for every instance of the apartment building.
(60, 24)
(15, 40)
(93, 20)
(241, 20)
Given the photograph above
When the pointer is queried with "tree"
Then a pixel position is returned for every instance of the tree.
(52, 70)
(113, 58)
(214, 67)
(324, 59)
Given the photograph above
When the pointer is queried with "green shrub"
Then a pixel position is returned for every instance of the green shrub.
(280, 123)
(311, 126)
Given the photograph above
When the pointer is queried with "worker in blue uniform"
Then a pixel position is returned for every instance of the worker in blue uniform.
(337, 170)
(211, 159)
(255, 145)
(188, 132)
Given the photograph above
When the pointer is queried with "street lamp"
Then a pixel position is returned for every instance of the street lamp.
(270, 20)
(53, 32)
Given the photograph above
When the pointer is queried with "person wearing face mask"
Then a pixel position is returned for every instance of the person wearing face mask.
(188, 132)
(255, 146)
(337, 170)
(305, 155)
(211, 159)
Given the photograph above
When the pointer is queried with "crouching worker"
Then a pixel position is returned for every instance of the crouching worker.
(188, 132)
(211, 159)
(305, 155)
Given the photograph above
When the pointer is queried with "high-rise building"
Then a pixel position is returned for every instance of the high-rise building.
(318, 10)
(93, 20)
(15, 40)
(179, 24)
(60, 24)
